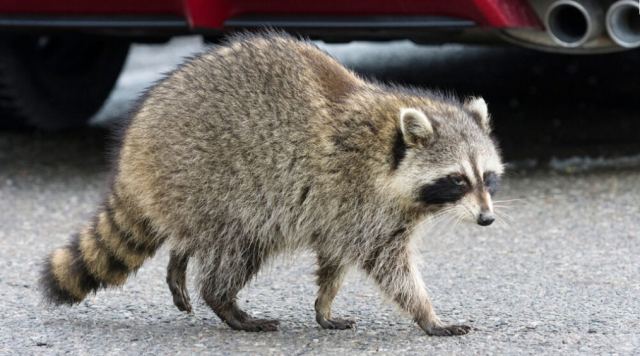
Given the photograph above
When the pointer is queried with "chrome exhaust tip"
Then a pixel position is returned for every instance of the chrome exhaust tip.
(623, 23)
(571, 23)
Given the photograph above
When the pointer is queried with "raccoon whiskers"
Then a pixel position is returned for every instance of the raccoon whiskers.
(508, 203)
(502, 222)
(503, 214)
(502, 217)
(508, 200)
(443, 212)
(468, 210)
(502, 206)
(437, 222)
(506, 215)
(457, 220)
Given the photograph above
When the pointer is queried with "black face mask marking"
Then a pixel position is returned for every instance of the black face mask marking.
(491, 182)
(445, 190)
(399, 150)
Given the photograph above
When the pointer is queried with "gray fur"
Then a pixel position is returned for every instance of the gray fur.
(267, 145)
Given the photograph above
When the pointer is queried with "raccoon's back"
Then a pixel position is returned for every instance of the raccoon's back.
(233, 129)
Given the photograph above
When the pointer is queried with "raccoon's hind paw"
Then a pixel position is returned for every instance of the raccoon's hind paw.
(253, 324)
(238, 319)
(337, 324)
(448, 330)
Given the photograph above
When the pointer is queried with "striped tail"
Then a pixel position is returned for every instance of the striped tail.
(104, 254)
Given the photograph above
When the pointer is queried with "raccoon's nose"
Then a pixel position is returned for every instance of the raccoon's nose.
(485, 219)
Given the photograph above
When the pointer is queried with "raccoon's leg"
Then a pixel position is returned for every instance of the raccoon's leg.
(176, 279)
(397, 276)
(222, 285)
(329, 278)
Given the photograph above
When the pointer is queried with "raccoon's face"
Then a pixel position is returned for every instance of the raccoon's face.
(447, 162)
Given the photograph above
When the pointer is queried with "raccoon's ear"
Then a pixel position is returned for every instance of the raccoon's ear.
(415, 126)
(480, 112)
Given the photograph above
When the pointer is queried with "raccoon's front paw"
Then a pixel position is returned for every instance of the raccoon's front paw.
(447, 330)
(180, 294)
(182, 301)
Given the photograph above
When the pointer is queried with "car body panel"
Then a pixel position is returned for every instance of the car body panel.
(212, 14)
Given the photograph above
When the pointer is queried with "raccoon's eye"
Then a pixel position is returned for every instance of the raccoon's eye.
(458, 179)
(448, 189)
(491, 182)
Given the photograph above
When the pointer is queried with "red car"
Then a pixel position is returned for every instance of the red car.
(59, 59)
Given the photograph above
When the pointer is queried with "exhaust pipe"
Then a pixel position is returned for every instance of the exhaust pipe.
(572, 24)
(623, 23)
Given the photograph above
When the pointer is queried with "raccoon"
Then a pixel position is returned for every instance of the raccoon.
(266, 145)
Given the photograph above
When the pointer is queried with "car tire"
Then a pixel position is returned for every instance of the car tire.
(56, 82)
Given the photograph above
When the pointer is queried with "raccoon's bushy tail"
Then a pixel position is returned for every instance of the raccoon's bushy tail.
(114, 245)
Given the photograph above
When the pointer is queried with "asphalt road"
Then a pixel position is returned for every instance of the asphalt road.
(559, 273)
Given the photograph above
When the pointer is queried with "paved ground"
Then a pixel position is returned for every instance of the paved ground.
(561, 273)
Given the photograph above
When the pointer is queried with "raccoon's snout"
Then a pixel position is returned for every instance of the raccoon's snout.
(485, 218)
